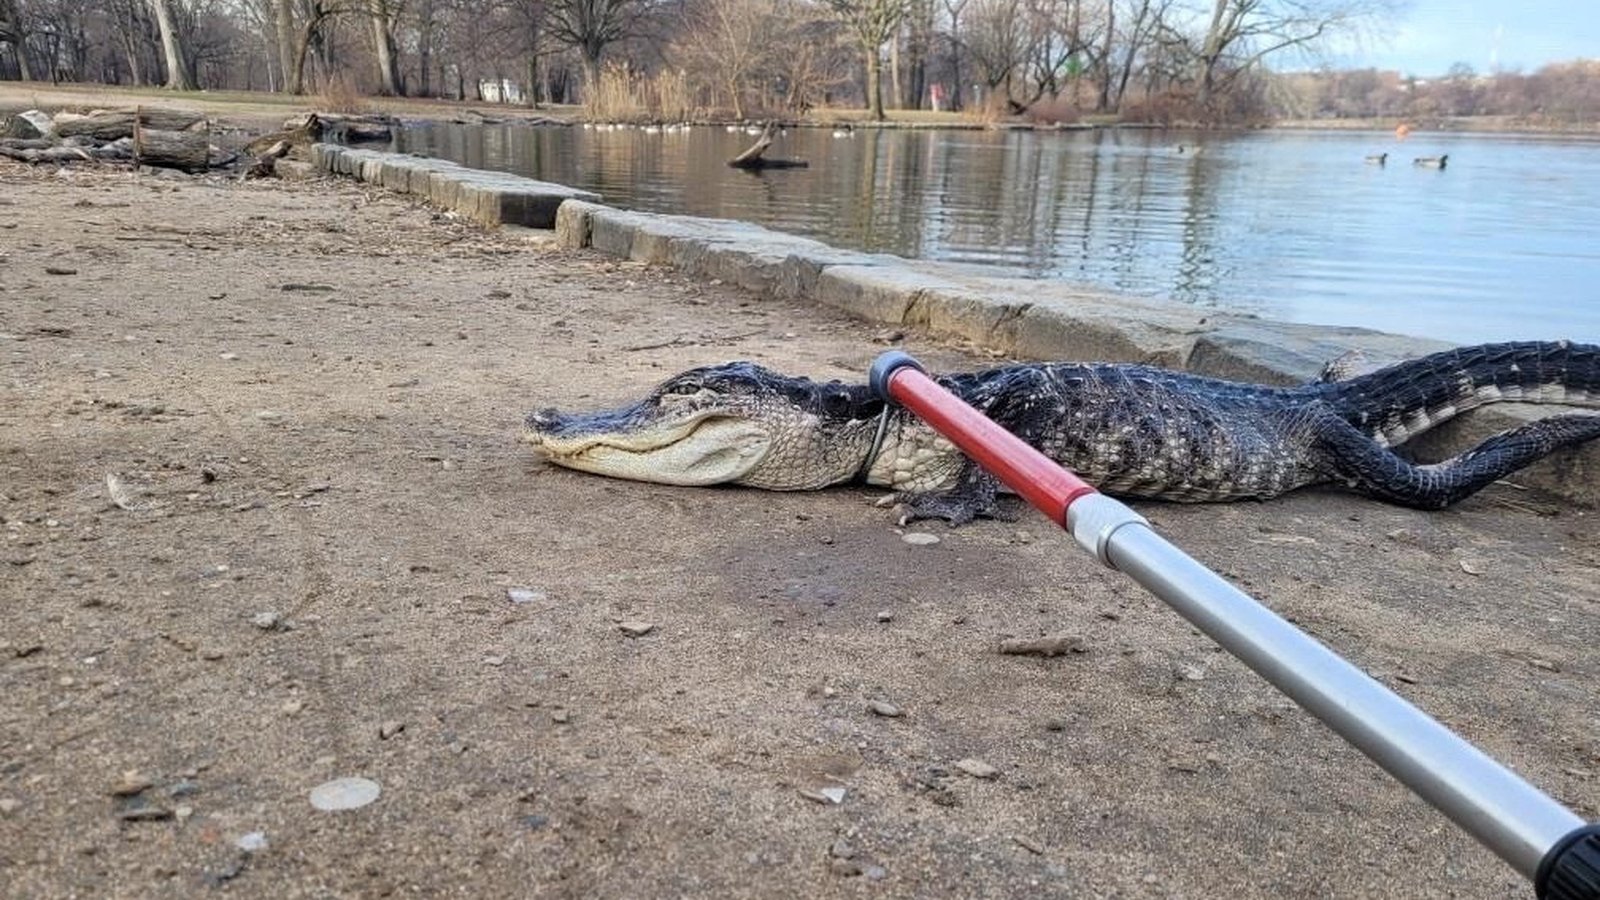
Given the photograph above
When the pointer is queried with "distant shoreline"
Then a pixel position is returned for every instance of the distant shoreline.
(1449, 124)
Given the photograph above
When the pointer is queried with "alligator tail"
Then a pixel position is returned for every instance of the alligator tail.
(1351, 457)
(1402, 401)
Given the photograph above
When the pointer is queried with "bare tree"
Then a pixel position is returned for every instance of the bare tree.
(872, 22)
(725, 43)
(14, 31)
(590, 26)
(919, 22)
(1242, 33)
(529, 18)
(997, 41)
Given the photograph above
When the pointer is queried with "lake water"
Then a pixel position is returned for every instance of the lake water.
(1503, 244)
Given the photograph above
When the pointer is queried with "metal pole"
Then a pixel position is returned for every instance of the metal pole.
(1540, 838)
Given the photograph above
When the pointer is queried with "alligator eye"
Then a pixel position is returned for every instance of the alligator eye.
(682, 388)
(836, 403)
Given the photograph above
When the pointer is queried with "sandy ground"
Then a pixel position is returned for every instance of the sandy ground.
(306, 397)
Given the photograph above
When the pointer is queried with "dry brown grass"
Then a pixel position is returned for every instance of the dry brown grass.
(621, 96)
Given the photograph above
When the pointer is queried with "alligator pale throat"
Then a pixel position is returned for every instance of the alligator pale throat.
(1131, 430)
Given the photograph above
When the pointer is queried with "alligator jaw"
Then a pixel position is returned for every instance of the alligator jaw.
(704, 451)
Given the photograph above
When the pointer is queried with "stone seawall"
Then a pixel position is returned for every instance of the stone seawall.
(1018, 317)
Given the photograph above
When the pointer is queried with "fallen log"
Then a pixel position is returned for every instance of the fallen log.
(47, 155)
(27, 143)
(303, 133)
(752, 158)
(266, 163)
(109, 125)
(186, 150)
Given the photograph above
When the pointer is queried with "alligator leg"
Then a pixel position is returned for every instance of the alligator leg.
(1364, 464)
(972, 497)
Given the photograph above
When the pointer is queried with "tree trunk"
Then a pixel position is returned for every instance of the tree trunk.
(1211, 51)
(591, 72)
(1103, 102)
(132, 50)
(288, 59)
(874, 77)
(383, 42)
(177, 67)
(532, 96)
(895, 87)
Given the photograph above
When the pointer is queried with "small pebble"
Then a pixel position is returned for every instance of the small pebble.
(635, 628)
(886, 709)
(560, 716)
(9, 805)
(230, 357)
(495, 660)
(1190, 672)
(144, 812)
(1028, 844)
(841, 849)
(920, 538)
(885, 616)
(212, 653)
(390, 728)
(524, 595)
(292, 707)
(266, 621)
(1051, 645)
(977, 768)
(833, 794)
(254, 842)
(344, 793)
(130, 784)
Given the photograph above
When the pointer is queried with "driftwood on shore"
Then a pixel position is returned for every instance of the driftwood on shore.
(266, 162)
(162, 138)
(184, 150)
(110, 125)
(752, 158)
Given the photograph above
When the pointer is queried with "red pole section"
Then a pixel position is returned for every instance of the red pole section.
(1034, 476)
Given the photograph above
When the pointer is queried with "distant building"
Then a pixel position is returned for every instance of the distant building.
(501, 90)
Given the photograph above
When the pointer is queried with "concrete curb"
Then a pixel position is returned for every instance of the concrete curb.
(1024, 318)
(489, 198)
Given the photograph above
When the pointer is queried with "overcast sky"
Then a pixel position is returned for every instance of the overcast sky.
(1430, 35)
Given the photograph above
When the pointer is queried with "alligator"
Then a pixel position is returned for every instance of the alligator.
(1131, 430)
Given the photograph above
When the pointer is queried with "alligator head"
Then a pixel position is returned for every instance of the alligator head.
(736, 423)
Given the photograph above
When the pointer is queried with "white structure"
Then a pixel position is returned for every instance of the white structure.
(502, 90)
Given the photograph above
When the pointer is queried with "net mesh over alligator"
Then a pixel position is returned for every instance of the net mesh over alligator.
(1131, 430)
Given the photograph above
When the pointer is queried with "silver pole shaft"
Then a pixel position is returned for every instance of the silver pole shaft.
(1507, 814)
